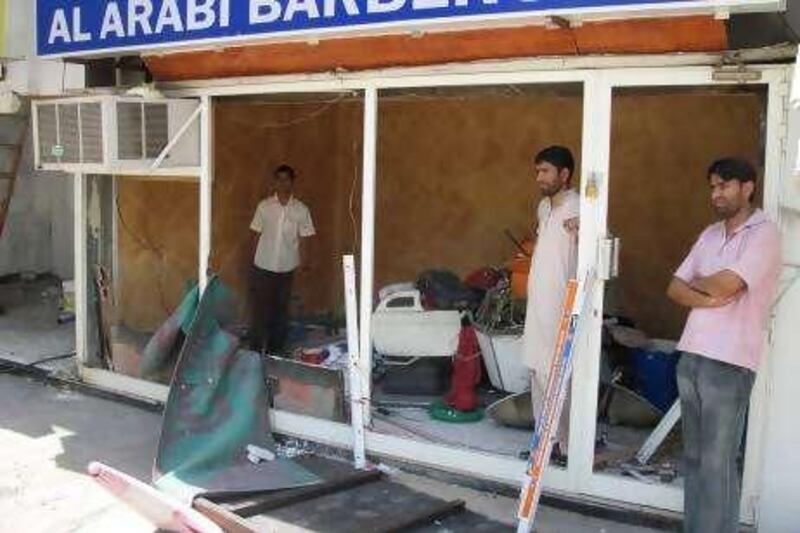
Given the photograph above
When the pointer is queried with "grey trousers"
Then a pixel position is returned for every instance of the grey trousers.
(714, 400)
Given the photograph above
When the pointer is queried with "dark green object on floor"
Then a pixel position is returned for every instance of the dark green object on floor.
(444, 413)
(217, 405)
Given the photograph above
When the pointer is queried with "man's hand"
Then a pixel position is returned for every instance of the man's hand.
(572, 225)
(719, 301)
(723, 285)
(684, 294)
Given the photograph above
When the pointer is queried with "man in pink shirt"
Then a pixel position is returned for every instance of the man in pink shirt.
(728, 280)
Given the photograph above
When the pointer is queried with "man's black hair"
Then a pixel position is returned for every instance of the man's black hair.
(558, 156)
(734, 168)
(284, 169)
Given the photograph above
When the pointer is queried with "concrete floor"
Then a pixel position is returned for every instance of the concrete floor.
(49, 435)
(29, 324)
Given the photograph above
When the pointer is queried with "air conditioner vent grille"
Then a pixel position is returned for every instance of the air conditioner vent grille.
(69, 135)
(48, 132)
(122, 135)
(129, 130)
(92, 132)
(156, 126)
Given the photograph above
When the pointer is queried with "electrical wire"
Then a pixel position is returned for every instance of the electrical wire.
(145, 244)
(302, 101)
(7, 368)
(575, 41)
(351, 211)
(506, 91)
(308, 117)
(789, 28)
(428, 436)
(51, 358)
(353, 186)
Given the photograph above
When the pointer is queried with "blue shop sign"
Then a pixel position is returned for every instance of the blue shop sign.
(88, 27)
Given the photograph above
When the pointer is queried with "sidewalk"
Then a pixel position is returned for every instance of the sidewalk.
(48, 436)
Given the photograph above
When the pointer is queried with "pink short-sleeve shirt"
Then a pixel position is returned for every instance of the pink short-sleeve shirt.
(734, 333)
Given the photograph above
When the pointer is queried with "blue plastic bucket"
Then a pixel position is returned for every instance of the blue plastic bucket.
(655, 371)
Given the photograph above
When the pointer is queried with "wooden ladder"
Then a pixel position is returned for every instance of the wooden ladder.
(13, 134)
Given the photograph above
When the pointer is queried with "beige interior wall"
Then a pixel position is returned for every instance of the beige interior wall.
(322, 141)
(158, 248)
(659, 201)
(453, 173)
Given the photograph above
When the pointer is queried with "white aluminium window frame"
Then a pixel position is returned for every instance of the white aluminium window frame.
(776, 80)
(578, 479)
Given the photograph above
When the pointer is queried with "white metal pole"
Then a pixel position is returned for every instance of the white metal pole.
(775, 168)
(660, 433)
(206, 183)
(81, 270)
(368, 243)
(594, 198)
(356, 398)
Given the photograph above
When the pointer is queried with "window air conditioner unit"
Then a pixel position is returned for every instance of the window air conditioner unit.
(116, 135)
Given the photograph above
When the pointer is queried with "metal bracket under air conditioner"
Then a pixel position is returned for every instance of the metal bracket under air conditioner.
(174, 141)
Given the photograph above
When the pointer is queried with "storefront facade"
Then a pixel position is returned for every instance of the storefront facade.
(768, 492)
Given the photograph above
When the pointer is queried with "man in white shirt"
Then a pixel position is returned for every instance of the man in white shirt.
(282, 226)
(554, 263)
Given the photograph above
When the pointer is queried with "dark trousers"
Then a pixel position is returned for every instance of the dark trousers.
(271, 292)
(714, 399)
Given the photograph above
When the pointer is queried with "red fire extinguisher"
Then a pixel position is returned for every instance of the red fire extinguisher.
(466, 370)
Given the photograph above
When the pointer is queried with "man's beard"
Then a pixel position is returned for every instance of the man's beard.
(550, 191)
(727, 212)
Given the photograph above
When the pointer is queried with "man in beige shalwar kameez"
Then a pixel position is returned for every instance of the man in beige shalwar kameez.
(554, 262)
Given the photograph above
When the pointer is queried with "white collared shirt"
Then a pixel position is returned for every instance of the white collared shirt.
(281, 227)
